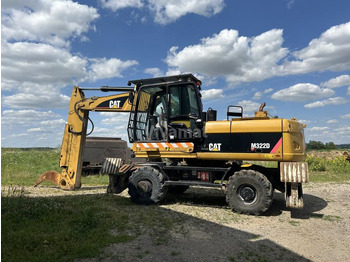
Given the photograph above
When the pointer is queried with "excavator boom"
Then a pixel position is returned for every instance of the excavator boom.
(75, 133)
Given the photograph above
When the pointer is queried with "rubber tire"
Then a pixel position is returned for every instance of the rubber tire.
(156, 179)
(263, 192)
(177, 189)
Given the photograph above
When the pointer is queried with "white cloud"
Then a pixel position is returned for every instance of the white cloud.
(47, 21)
(345, 116)
(40, 63)
(290, 3)
(117, 119)
(110, 132)
(36, 60)
(348, 90)
(302, 92)
(25, 117)
(332, 121)
(44, 100)
(107, 68)
(249, 106)
(154, 71)
(31, 128)
(37, 72)
(237, 58)
(211, 94)
(331, 51)
(339, 81)
(258, 95)
(36, 130)
(345, 130)
(113, 125)
(166, 11)
(329, 101)
(35, 96)
(318, 128)
(173, 71)
(115, 5)
(303, 121)
(56, 122)
(243, 59)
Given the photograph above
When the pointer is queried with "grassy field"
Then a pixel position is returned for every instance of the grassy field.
(69, 227)
(48, 229)
(23, 166)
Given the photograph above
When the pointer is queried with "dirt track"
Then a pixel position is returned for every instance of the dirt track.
(209, 231)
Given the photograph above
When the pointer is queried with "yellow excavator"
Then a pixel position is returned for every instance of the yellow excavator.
(184, 146)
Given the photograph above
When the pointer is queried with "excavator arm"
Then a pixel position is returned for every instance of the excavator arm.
(71, 159)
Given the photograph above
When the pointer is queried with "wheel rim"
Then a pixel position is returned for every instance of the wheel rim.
(247, 193)
(144, 187)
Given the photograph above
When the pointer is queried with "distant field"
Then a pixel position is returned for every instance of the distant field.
(23, 166)
(328, 166)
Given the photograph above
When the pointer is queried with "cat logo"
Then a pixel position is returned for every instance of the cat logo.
(215, 147)
(114, 104)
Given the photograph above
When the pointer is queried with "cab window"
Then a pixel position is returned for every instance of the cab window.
(183, 101)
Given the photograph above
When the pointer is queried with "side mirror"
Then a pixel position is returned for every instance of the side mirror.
(131, 97)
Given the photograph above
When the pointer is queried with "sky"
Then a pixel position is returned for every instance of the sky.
(292, 54)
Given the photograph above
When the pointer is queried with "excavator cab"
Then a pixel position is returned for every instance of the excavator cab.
(170, 110)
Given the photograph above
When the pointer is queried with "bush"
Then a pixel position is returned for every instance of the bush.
(316, 164)
(340, 165)
(335, 165)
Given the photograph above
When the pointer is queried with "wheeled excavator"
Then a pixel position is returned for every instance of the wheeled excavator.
(184, 146)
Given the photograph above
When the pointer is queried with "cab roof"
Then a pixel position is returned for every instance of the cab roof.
(166, 80)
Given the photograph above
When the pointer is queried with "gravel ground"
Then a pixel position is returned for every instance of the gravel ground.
(209, 231)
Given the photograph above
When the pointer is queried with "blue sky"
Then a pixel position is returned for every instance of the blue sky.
(292, 54)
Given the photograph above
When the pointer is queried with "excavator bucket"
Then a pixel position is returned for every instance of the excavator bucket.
(55, 178)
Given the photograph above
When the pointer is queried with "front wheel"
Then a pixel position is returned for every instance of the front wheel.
(146, 186)
(249, 192)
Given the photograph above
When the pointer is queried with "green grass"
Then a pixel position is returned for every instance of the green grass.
(71, 227)
(80, 226)
(321, 169)
(24, 166)
(51, 229)
(328, 170)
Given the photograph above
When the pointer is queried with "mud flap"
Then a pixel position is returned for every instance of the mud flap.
(118, 182)
(294, 195)
(293, 174)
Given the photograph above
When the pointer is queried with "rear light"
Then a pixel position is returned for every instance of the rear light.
(203, 175)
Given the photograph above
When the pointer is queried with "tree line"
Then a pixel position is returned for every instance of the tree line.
(318, 145)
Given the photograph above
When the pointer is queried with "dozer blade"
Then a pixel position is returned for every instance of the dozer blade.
(55, 178)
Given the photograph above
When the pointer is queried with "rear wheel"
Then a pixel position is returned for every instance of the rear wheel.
(249, 192)
(146, 186)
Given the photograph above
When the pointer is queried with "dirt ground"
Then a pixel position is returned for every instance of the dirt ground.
(328, 154)
(209, 231)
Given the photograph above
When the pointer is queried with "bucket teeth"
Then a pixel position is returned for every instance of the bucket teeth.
(55, 178)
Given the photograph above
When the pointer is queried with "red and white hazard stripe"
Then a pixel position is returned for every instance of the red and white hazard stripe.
(164, 145)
